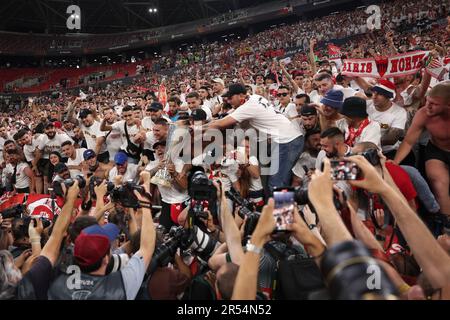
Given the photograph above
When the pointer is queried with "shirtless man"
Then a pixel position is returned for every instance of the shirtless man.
(435, 118)
(92, 167)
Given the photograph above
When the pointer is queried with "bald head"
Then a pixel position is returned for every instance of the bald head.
(441, 90)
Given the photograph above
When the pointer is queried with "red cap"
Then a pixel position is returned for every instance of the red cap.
(57, 124)
(90, 248)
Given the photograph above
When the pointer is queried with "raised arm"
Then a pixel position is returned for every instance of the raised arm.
(51, 248)
(320, 193)
(433, 260)
(413, 134)
(245, 286)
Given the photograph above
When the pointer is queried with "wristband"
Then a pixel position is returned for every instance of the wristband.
(35, 239)
(252, 248)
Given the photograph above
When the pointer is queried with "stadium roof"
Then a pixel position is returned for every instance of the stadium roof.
(110, 16)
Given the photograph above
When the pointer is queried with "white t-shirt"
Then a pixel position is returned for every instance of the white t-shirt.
(371, 133)
(263, 117)
(130, 174)
(91, 134)
(306, 160)
(50, 145)
(132, 131)
(147, 123)
(29, 150)
(255, 183)
(22, 180)
(394, 117)
(172, 194)
(78, 160)
(113, 142)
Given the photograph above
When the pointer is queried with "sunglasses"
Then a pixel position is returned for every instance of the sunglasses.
(282, 94)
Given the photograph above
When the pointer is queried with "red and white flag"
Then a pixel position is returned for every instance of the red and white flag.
(334, 52)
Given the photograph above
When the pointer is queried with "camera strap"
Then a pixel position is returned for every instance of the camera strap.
(132, 149)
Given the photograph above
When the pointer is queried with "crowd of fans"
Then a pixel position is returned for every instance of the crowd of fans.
(161, 196)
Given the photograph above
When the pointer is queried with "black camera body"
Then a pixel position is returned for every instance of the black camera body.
(246, 207)
(13, 212)
(124, 194)
(203, 195)
(165, 252)
(246, 210)
(198, 208)
(302, 198)
(201, 188)
(95, 182)
(81, 182)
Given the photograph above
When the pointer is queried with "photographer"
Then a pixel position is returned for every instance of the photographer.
(92, 252)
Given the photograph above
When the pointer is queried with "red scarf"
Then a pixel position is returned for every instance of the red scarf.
(353, 134)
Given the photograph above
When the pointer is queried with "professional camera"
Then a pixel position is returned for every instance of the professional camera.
(347, 269)
(124, 194)
(117, 262)
(246, 207)
(13, 212)
(246, 210)
(301, 197)
(27, 220)
(165, 252)
(95, 182)
(81, 181)
(203, 195)
(201, 188)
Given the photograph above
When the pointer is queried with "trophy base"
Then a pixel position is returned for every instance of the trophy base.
(161, 181)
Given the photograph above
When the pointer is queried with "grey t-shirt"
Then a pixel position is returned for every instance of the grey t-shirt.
(133, 275)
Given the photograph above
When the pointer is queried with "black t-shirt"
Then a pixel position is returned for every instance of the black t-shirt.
(34, 285)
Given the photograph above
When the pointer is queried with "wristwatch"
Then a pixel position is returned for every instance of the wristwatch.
(252, 248)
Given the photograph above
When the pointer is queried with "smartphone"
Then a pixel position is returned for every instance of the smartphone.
(284, 208)
(344, 170)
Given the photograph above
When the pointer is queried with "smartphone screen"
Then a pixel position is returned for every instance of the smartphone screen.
(344, 170)
(284, 209)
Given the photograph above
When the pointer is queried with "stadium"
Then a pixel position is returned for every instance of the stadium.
(182, 150)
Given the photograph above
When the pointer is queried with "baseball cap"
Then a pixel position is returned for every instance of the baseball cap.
(159, 143)
(235, 89)
(308, 110)
(60, 167)
(219, 80)
(84, 113)
(89, 154)
(57, 124)
(109, 230)
(90, 248)
(94, 243)
(155, 106)
(198, 114)
(120, 158)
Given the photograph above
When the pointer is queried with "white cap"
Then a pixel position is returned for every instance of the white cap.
(219, 80)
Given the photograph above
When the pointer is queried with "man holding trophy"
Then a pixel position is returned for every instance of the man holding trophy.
(170, 177)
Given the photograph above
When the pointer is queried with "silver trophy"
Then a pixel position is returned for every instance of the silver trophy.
(162, 177)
